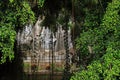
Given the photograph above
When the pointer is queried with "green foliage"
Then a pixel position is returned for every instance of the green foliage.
(92, 2)
(7, 38)
(105, 44)
(41, 3)
(13, 15)
(11, 1)
(91, 19)
(25, 14)
(108, 68)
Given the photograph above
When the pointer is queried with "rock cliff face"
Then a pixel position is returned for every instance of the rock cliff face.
(40, 44)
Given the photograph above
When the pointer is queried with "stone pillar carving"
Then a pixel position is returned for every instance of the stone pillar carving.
(36, 46)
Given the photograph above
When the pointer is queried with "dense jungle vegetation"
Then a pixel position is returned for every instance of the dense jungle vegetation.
(95, 26)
